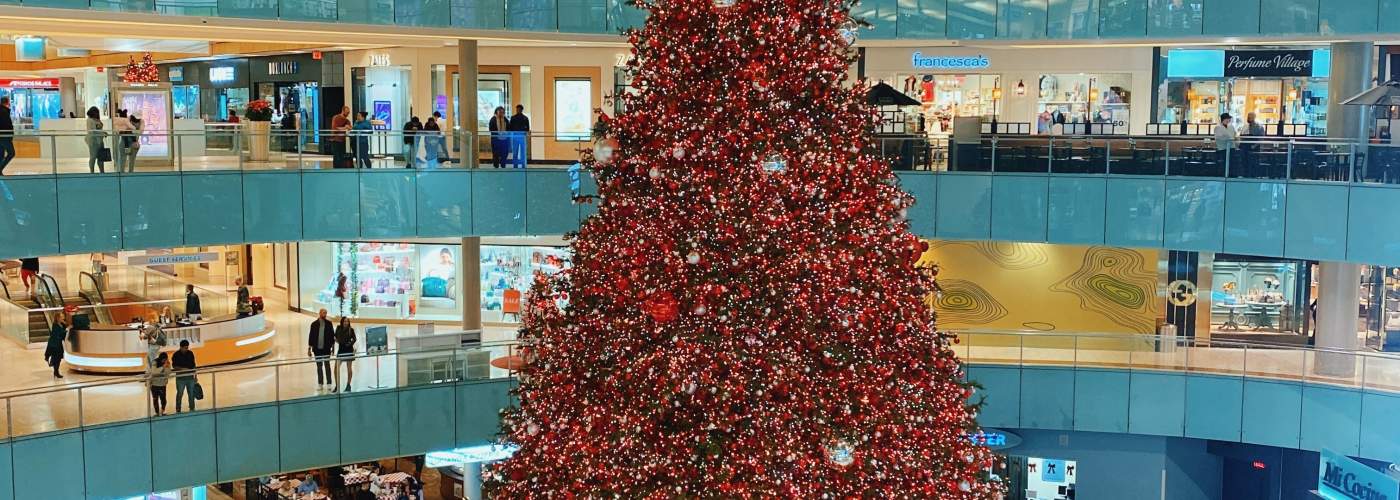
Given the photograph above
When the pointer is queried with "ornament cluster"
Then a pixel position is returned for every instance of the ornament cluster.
(142, 72)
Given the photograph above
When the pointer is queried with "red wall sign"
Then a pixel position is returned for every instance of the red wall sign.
(29, 83)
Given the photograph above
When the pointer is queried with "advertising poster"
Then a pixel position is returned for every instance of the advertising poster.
(150, 106)
(383, 113)
(437, 266)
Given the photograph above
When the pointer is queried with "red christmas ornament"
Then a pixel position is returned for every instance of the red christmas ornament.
(662, 307)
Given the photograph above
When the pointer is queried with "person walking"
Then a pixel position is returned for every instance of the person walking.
(192, 308)
(95, 142)
(432, 138)
(520, 124)
(7, 134)
(344, 353)
(245, 300)
(53, 352)
(133, 141)
(183, 362)
(121, 127)
(443, 155)
(340, 124)
(363, 128)
(500, 138)
(29, 274)
(410, 141)
(319, 343)
(158, 377)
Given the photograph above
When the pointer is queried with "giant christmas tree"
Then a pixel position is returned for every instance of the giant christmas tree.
(743, 318)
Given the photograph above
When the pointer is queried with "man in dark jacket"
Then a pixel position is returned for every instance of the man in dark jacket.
(7, 134)
(319, 343)
(184, 365)
(520, 140)
(192, 308)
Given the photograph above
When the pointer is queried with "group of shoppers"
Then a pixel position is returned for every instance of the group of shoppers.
(424, 145)
(324, 340)
(1229, 149)
(509, 137)
(126, 142)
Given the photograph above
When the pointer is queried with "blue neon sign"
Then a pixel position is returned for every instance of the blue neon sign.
(920, 61)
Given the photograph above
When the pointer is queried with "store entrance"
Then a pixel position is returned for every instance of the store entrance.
(945, 97)
(1272, 100)
(302, 97)
(32, 105)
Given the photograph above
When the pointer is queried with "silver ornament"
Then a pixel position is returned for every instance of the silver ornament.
(841, 452)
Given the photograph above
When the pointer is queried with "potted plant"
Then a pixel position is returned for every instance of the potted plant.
(259, 126)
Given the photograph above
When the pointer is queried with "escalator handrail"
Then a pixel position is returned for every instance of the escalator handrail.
(96, 289)
(48, 280)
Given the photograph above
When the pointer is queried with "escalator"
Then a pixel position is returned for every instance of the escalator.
(91, 292)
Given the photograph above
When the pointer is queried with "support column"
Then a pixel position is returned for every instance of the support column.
(1351, 75)
(471, 481)
(1338, 293)
(470, 295)
(466, 110)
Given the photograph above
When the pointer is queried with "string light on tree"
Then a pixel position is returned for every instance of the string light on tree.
(727, 331)
(142, 72)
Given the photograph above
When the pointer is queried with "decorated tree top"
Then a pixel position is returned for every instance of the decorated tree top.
(743, 318)
(142, 72)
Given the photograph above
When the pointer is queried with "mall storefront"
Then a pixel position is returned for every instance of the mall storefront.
(1033, 88)
(1286, 89)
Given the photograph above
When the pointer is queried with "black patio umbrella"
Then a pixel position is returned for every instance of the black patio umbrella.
(1385, 94)
(882, 94)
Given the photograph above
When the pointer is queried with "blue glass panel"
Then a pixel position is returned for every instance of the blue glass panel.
(479, 408)
(121, 5)
(369, 426)
(422, 12)
(28, 217)
(308, 10)
(1174, 17)
(387, 204)
(1348, 16)
(1331, 419)
(426, 418)
(7, 473)
(1156, 403)
(1273, 411)
(41, 462)
(330, 204)
(1195, 63)
(91, 221)
(972, 19)
(1213, 407)
(184, 454)
(1231, 17)
(244, 439)
(1134, 212)
(924, 189)
(258, 9)
(444, 203)
(1364, 242)
(1100, 400)
(532, 15)
(622, 16)
(1311, 230)
(922, 19)
(1389, 18)
(964, 206)
(583, 16)
(273, 200)
(1378, 413)
(1196, 215)
(187, 7)
(310, 433)
(124, 455)
(1254, 218)
(152, 211)
(1122, 18)
(550, 207)
(1018, 208)
(1072, 19)
(1288, 16)
(1002, 387)
(500, 197)
(1322, 63)
(214, 208)
(1045, 402)
(57, 4)
(1076, 210)
(1022, 19)
(365, 11)
(482, 14)
(881, 14)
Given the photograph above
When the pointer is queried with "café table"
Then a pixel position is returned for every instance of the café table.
(1230, 323)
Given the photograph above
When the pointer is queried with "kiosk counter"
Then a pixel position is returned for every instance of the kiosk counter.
(115, 349)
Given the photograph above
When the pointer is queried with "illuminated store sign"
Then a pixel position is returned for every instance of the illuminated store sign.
(995, 439)
(283, 68)
(920, 61)
(168, 259)
(472, 454)
(379, 59)
(29, 83)
(1340, 478)
(221, 74)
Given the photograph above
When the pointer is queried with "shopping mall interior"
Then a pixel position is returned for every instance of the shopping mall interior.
(1149, 301)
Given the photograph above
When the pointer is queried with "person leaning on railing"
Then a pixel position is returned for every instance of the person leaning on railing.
(185, 381)
(98, 154)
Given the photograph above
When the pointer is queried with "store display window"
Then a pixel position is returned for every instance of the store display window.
(1258, 295)
(1084, 98)
(1272, 100)
(379, 280)
(945, 97)
(506, 274)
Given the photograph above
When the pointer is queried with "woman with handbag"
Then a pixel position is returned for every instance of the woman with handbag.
(344, 353)
(53, 353)
(133, 141)
(98, 154)
(158, 378)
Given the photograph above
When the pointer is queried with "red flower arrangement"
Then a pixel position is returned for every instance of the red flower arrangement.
(259, 111)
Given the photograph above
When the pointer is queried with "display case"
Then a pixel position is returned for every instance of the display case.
(507, 273)
(382, 280)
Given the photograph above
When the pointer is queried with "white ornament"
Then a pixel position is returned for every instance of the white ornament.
(774, 163)
(849, 30)
(841, 452)
(725, 3)
(692, 258)
(653, 173)
(964, 486)
(679, 152)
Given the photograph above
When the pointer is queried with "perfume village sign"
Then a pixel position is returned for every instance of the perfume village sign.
(1298, 63)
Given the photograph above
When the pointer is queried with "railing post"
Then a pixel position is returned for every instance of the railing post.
(238, 146)
(80, 407)
(301, 152)
(1288, 163)
(179, 152)
(994, 153)
(1351, 169)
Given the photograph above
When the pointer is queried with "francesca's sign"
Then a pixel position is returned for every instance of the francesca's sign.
(1269, 63)
(921, 61)
(1342, 478)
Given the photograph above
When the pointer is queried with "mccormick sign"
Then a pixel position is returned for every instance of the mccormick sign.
(1297, 63)
(1342, 478)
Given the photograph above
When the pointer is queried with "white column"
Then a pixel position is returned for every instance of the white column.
(1338, 293)
(471, 481)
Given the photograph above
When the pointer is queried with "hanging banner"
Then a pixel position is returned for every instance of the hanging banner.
(1297, 63)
